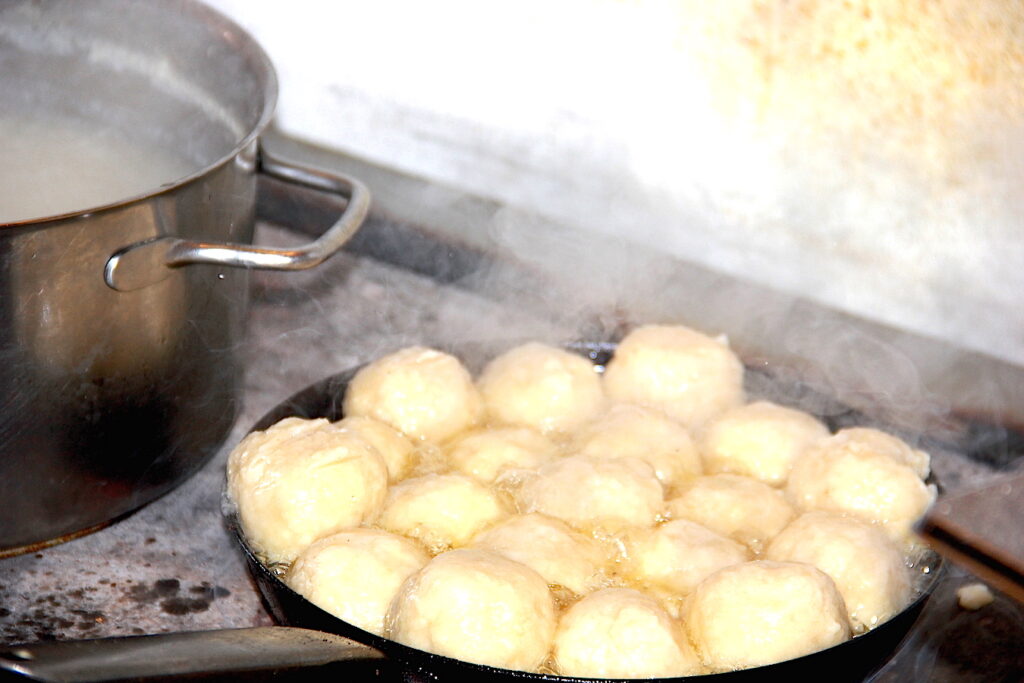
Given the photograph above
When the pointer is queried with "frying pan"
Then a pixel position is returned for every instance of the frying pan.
(313, 640)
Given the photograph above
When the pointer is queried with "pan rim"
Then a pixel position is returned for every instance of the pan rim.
(599, 353)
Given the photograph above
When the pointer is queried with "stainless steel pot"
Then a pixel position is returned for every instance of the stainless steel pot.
(118, 350)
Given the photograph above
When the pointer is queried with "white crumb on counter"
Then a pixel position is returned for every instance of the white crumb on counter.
(974, 596)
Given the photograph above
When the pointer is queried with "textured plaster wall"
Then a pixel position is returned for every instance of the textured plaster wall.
(867, 154)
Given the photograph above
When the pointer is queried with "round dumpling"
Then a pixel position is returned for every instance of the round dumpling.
(424, 393)
(687, 375)
(440, 510)
(541, 387)
(301, 480)
(632, 431)
(622, 633)
(841, 475)
(759, 440)
(485, 455)
(678, 555)
(887, 444)
(591, 492)
(354, 574)
(744, 509)
(476, 606)
(396, 450)
(758, 613)
(865, 564)
(548, 546)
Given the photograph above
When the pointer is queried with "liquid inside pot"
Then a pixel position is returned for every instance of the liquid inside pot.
(55, 165)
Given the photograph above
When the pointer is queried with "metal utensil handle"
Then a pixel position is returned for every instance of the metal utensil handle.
(245, 652)
(144, 263)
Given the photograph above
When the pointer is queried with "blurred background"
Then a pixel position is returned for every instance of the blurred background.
(865, 154)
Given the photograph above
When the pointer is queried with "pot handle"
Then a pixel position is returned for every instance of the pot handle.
(145, 263)
(244, 654)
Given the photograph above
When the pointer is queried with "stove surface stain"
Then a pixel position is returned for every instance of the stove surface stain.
(167, 593)
(78, 612)
(49, 619)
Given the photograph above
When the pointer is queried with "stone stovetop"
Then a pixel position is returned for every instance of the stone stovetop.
(172, 566)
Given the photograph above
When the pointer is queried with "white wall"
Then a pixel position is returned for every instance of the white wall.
(867, 154)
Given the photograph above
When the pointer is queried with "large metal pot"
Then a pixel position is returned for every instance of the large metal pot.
(118, 350)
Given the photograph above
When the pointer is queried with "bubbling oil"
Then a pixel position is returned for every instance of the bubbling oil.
(51, 166)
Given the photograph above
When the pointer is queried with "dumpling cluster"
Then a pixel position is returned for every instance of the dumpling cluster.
(544, 516)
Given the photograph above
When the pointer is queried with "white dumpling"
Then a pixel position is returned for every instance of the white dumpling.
(354, 574)
(440, 510)
(678, 555)
(541, 387)
(759, 440)
(759, 613)
(622, 633)
(632, 431)
(392, 445)
(424, 393)
(687, 375)
(843, 476)
(564, 557)
(865, 564)
(301, 480)
(591, 492)
(476, 606)
(887, 444)
(744, 509)
(487, 454)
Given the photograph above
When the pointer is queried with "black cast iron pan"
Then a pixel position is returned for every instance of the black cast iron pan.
(313, 639)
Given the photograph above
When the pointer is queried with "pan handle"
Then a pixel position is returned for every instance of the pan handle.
(243, 654)
(144, 263)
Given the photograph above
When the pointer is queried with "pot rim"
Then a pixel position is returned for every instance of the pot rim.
(254, 55)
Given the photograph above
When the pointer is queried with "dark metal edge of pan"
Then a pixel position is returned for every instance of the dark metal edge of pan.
(853, 660)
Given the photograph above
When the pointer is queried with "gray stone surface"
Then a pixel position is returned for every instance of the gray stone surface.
(172, 566)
